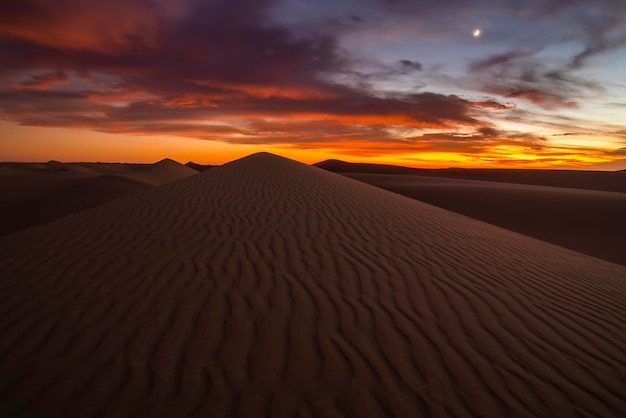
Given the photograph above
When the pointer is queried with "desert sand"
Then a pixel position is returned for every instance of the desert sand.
(266, 287)
(589, 221)
(609, 181)
(33, 194)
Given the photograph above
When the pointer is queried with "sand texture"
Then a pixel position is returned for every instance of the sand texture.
(33, 194)
(609, 181)
(268, 288)
(589, 221)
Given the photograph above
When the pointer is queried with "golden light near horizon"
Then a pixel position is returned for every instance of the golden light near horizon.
(360, 92)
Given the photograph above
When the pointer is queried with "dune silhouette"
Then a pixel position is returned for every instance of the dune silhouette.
(199, 167)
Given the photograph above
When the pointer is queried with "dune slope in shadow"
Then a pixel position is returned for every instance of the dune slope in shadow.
(608, 181)
(265, 287)
(588, 221)
(38, 193)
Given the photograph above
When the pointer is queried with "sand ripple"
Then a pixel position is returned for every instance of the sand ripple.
(269, 288)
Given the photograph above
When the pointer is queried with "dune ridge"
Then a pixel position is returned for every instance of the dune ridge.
(199, 167)
(33, 194)
(162, 172)
(265, 287)
(589, 221)
(608, 181)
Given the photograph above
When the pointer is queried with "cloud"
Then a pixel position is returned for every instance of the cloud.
(621, 133)
(44, 81)
(499, 60)
(219, 41)
(59, 107)
(573, 133)
(540, 97)
(534, 68)
(407, 66)
(239, 71)
(205, 69)
(518, 75)
(106, 27)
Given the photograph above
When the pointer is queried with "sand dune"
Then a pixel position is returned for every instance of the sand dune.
(165, 171)
(36, 174)
(592, 222)
(610, 181)
(61, 198)
(338, 166)
(199, 167)
(33, 194)
(265, 287)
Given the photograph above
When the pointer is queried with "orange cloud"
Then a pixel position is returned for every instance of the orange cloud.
(69, 25)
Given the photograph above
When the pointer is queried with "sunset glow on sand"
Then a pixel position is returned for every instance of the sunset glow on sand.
(536, 84)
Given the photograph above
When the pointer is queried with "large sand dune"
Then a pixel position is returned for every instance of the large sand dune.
(269, 288)
(590, 221)
(609, 181)
(33, 194)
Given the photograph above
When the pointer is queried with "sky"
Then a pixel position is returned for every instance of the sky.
(423, 83)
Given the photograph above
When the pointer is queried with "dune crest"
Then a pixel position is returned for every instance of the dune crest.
(31, 194)
(265, 287)
(609, 181)
(589, 221)
(199, 167)
(162, 172)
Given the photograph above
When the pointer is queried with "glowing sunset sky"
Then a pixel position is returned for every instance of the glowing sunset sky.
(536, 83)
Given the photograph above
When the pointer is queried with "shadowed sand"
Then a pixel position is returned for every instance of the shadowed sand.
(33, 194)
(590, 221)
(609, 181)
(269, 288)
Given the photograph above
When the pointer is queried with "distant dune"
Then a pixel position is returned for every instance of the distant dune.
(69, 197)
(165, 171)
(589, 221)
(266, 287)
(610, 181)
(199, 167)
(580, 210)
(33, 194)
(338, 166)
